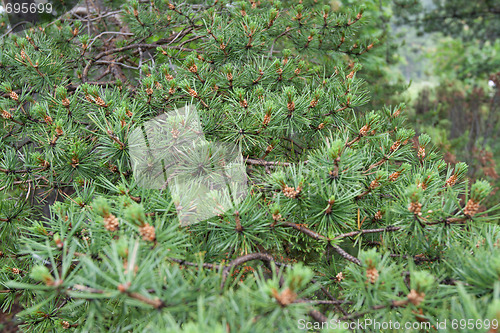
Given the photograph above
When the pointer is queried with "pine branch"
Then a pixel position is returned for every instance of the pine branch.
(367, 231)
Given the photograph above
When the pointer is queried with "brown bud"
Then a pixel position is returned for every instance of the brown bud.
(193, 68)
(374, 184)
(395, 146)
(415, 298)
(6, 115)
(14, 95)
(471, 208)
(394, 176)
(452, 180)
(415, 208)
(147, 232)
(364, 130)
(284, 298)
(267, 119)
(99, 101)
(372, 275)
(65, 102)
(111, 222)
(421, 152)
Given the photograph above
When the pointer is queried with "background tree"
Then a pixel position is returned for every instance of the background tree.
(461, 113)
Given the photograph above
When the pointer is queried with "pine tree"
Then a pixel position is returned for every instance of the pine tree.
(345, 215)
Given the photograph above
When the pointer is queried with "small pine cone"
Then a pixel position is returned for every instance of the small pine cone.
(452, 180)
(171, 91)
(193, 69)
(350, 75)
(229, 76)
(111, 222)
(147, 232)
(372, 275)
(374, 184)
(277, 217)
(87, 97)
(158, 85)
(415, 208)
(291, 106)
(279, 71)
(267, 119)
(175, 133)
(269, 149)
(339, 277)
(149, 91)
(378, 215)
(13, 95)
(290, 192)
(421, 152)
(193, 93)
(59, 131)
(15, 270)
(6, 115)
(48, 119)
(395, 146)
(23, 54)
(313, 103)
(471, 208)
(169, 77)
(320, 126)
(74, 162)
(99, 101)
(244, 103)
(415, 298)
(284, 298)
(364, 130)
(297, 71)
(394, 176)
(65, 325)
(65, 102)
(129, 113)
(171, 6)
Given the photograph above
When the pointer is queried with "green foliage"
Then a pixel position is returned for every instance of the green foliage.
(343, 219)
